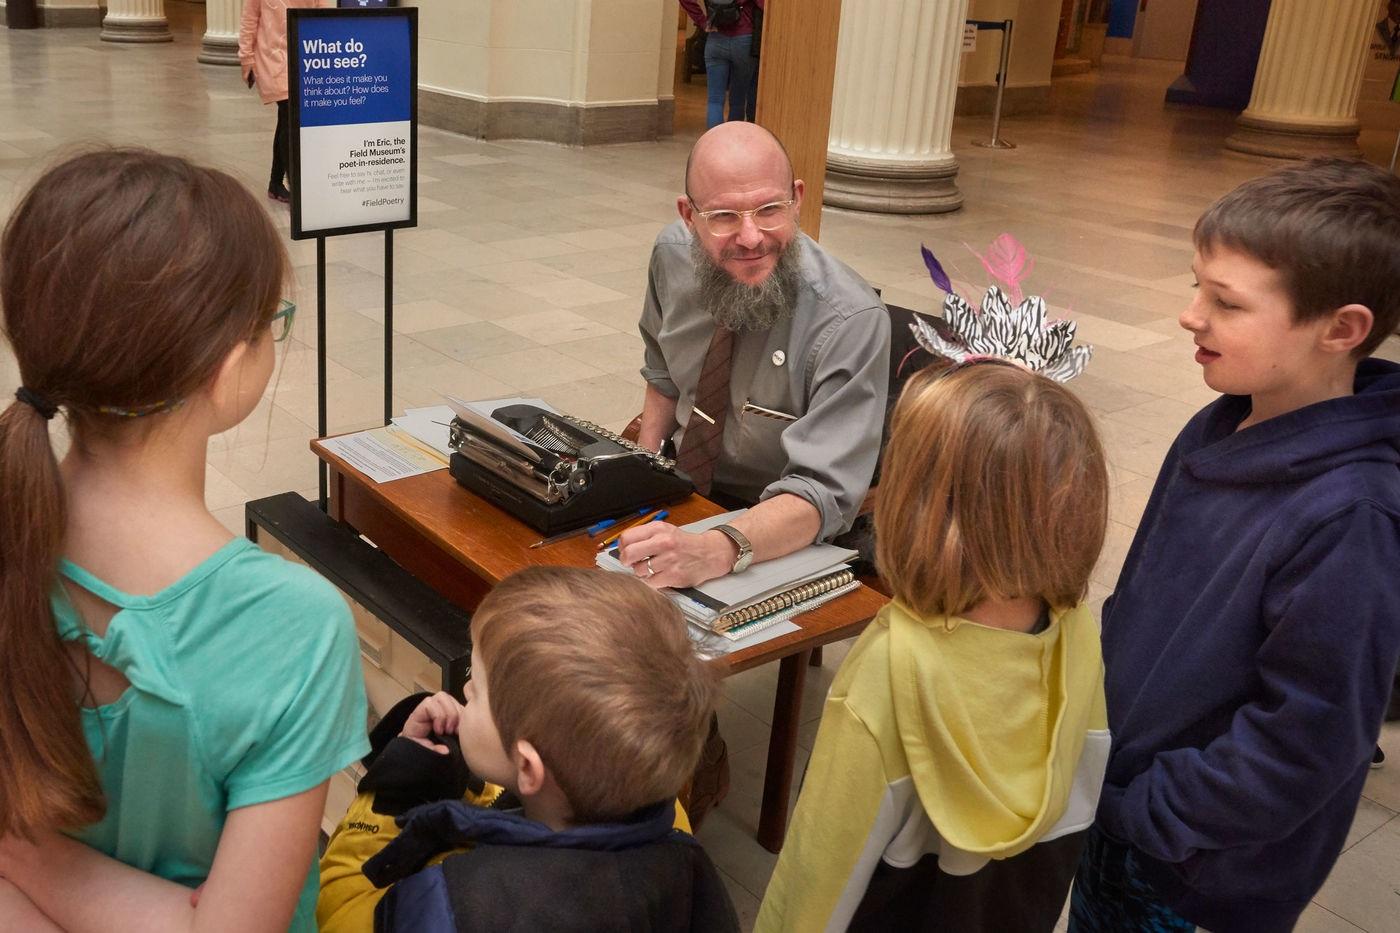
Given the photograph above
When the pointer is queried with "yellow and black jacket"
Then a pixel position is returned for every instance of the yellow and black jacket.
(955, 772)
(428, 847)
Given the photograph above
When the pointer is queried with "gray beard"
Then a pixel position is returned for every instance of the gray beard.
(741, 307)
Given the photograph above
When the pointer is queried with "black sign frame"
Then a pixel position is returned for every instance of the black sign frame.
(294, 88)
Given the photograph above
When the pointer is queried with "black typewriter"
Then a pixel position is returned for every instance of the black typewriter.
(556, 472)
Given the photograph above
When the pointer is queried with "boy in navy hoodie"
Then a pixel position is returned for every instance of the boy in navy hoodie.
(1250, 643)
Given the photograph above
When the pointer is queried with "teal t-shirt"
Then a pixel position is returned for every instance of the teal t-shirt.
(245, 688)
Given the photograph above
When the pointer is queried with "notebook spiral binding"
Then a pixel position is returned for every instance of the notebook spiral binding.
(784, 600)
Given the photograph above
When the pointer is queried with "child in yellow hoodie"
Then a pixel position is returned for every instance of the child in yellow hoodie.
(963, 742)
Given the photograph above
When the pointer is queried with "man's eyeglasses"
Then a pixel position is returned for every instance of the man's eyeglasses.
(282, 320)
(773, 216)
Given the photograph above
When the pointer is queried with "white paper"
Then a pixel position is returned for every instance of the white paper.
(478, 415)
(429, 425)
(381, 456)
(712, 644)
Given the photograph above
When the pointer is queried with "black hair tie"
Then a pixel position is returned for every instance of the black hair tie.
(40, 404)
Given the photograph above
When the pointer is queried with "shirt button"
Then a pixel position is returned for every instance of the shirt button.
(779, 357)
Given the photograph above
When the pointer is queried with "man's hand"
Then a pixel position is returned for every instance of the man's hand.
(776, 526)
(663, 555)
(437, 715)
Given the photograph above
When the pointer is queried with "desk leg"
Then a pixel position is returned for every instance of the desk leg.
(782, 750)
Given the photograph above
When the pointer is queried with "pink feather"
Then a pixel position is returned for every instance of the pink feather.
(1008, 263)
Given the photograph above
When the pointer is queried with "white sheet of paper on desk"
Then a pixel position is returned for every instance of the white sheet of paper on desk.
(713, 645)
(429, 425)
(478, 414)
(383, 456)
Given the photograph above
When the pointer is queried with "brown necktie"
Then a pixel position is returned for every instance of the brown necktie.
(704, 433)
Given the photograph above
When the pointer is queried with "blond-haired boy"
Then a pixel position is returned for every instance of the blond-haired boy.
(589, 706)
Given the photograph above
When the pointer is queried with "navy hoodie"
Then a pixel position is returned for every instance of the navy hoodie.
(1249, 652)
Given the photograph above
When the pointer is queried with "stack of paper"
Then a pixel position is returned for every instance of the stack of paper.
(705, 605)
(429, 426)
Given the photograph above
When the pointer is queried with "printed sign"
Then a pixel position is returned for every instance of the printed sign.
(353, 81)
(969, 38)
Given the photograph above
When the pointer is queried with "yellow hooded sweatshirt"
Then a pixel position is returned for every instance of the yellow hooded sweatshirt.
(944, 737)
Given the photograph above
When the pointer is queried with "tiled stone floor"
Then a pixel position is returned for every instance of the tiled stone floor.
(527, 270)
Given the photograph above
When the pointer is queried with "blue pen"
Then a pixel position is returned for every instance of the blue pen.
(590, 530)
(654, 516)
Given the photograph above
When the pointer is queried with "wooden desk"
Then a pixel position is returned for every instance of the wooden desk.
(462, 546)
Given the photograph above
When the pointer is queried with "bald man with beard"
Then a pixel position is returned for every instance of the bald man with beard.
(810, 363)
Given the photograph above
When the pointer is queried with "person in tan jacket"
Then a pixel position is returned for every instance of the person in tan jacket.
(262, 52)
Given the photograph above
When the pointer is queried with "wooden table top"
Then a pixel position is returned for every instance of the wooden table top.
(492, 544)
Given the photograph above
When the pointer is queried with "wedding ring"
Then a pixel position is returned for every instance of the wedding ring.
(651, 571)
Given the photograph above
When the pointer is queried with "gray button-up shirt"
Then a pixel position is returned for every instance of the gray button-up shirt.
(826, 367)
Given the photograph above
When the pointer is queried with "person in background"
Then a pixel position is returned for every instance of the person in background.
(173, 699)
(962, 744)
(731, 62)
(262, 52)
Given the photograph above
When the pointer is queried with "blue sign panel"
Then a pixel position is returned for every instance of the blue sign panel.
(353, 90)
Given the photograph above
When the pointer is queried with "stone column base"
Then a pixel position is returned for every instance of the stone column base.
(219, 50)
(890, 187)
(1279, 140)
(136, 30)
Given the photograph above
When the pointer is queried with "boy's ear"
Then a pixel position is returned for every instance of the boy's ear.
(530, 773)
(1347, 328)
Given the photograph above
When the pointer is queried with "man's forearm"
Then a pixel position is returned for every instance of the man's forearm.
(658, 419)
(775, 527)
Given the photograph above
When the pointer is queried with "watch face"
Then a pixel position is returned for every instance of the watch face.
(742, 543)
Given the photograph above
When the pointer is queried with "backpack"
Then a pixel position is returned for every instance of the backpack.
(722, 14)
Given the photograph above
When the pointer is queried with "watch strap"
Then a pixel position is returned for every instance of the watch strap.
(742, 542)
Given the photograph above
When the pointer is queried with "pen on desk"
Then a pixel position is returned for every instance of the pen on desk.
(589, 530)
(635, 523)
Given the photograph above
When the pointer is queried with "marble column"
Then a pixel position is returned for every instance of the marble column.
(892, 107)
(136, 21)
(1308, 80)
(220, 44)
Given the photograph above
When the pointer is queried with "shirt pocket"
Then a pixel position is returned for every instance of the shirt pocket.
(761, 437)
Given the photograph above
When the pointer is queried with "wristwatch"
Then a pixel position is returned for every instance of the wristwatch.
(742, 543)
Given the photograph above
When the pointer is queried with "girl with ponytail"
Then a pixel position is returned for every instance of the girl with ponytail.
(172, 699)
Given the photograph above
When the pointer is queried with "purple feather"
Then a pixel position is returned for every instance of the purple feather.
(935, 271)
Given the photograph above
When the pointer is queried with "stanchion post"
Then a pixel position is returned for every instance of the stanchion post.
(996, 142)
(388, 325)
(321, 361)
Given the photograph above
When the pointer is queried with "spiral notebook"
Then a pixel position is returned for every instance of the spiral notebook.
(764, 597)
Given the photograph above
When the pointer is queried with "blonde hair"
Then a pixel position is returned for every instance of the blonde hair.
(595, 669)
(994, 487)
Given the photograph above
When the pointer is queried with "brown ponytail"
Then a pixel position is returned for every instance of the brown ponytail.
(126, 277)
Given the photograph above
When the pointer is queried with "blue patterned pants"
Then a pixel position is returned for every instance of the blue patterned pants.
(1111, 896)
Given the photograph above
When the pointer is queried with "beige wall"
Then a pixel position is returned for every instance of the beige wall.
(577, 52)
(1164, 30)
(1032, 43)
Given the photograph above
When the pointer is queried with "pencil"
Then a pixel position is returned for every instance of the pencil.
(589, 530)
(635, 523)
